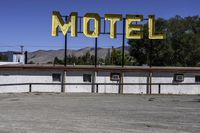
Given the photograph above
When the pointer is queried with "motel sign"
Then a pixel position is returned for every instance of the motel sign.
(133, 31)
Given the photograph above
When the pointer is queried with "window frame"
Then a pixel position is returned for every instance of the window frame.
(178, 74)
(56, 77)
(113, 74)
(86, 76)
(196, 78)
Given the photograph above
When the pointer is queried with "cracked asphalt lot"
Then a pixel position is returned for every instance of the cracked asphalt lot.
(98, 113)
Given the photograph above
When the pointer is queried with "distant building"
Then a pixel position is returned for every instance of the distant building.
(14, 57)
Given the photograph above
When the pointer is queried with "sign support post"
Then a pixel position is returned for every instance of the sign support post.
(95, 61)
(65, 54)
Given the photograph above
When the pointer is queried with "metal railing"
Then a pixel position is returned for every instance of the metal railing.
(99, 84)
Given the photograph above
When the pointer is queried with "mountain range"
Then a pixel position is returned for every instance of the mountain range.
(44, 56)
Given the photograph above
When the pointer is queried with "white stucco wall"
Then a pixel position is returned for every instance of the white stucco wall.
(19, 58)
(9, 63)
(104, 77)
(9, 77)
(77, 77)
(175, 89)
(135, 77)
(30, 76)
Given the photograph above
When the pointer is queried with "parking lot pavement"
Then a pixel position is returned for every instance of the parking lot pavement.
(98, 113)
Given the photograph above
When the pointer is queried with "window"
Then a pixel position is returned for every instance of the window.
(114, 76)
(56, 77)
(178, 77)
(197, 78)
(87, 77)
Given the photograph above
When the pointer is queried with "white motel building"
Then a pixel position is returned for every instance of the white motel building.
(102, 79)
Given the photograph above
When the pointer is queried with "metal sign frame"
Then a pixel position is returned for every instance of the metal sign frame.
(80, 19)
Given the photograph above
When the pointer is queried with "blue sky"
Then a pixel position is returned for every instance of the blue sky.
(28, 22)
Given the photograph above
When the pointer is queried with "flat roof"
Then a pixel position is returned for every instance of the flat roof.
(98, 68)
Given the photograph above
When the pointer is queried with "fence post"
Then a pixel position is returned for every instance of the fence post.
(97, 88)
(121, 83)
(63, 82)
(94, 81)
(159, 88)
(30, 87)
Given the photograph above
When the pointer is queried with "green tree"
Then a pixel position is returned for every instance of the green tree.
(115, 58)
(57, 61)
(181, 47)
(31, 62)
(3, 57)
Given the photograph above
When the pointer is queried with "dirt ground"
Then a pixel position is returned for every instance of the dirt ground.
(98, 113)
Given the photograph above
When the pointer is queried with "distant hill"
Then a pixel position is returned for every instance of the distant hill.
(44, 56)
